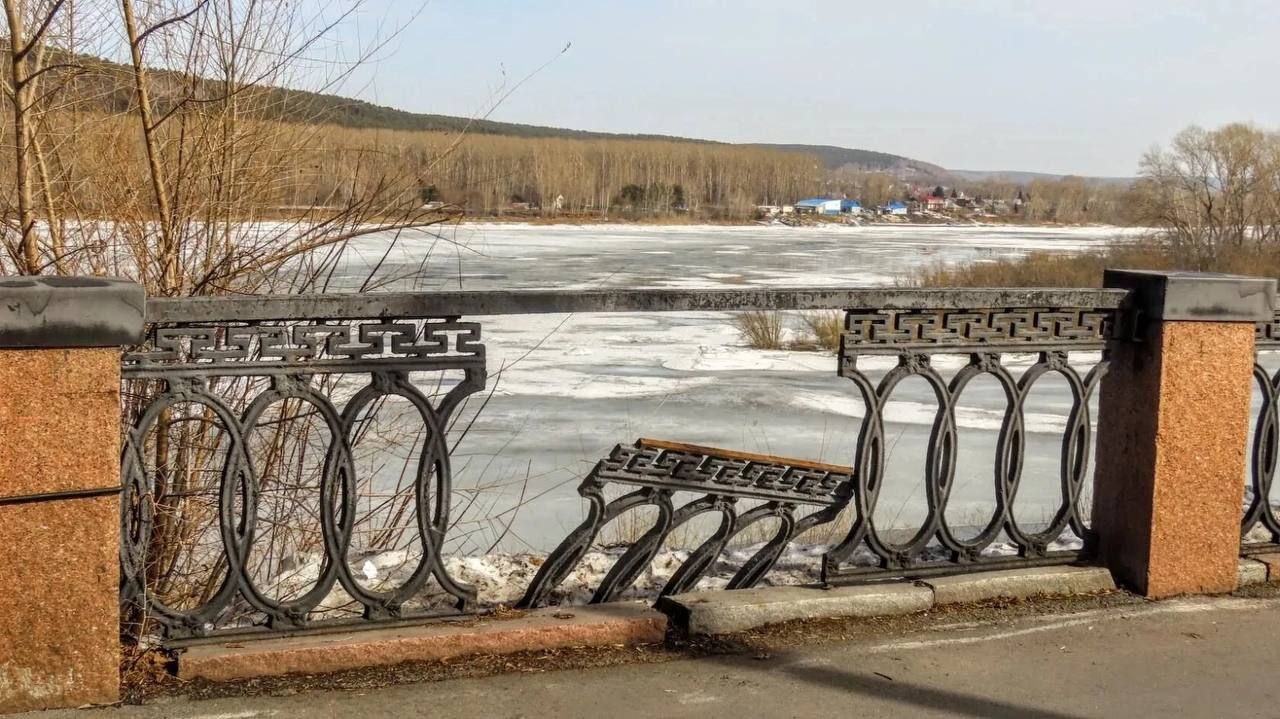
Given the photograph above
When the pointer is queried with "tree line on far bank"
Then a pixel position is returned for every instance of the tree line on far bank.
(1210, 197)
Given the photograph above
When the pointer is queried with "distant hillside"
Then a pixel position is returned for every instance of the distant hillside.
(360, 114)
(348, 112)
(1022, 178)
(837, 157)
(112, 90)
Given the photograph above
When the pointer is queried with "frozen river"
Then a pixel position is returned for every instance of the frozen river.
(567, 388)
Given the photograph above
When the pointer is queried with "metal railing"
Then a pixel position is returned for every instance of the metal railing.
(217, 396)
(1260, 515)
(985, 333)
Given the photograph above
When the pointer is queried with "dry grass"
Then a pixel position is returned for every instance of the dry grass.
(824, 328)
(818, 331)
(762, 329)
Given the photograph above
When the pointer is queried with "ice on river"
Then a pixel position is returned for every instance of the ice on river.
(565, 389)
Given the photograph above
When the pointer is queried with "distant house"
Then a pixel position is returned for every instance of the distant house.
(818, 206)
(895, 208)
(850, 207)
(937, 204)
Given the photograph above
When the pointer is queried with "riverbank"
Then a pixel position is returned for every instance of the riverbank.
(685, 220)
(1085, 267)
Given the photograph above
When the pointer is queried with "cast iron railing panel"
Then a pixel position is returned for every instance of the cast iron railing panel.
(984, 334)
(226, 376)
(723, 477)
(228, 362)
(1259, 514)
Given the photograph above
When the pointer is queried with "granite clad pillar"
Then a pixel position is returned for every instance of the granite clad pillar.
(60, 340)
(1173, 429)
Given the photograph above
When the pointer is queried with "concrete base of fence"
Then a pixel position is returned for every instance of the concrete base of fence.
(728, 612)
(1271, 561)
(1020, 584)
(719, 612)
(627, 623)
(1251, 571)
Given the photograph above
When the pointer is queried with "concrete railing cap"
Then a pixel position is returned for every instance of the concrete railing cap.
(1196, 296)
(47, 312)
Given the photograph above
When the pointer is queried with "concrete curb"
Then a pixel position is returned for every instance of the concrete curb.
(1252, 571)
(1271, 561)
(550, 628)
(696, 613)
(1020, 584)
(727, 612)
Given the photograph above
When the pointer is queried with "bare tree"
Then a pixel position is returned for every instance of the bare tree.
(1213, 192)
(186, 147)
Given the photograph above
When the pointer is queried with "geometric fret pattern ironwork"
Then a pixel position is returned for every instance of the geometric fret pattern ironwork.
(722, 477)
(1016, 329)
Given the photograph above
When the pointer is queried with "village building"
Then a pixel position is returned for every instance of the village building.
(818, 206)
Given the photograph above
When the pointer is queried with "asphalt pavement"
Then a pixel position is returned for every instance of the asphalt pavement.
(1201, 657)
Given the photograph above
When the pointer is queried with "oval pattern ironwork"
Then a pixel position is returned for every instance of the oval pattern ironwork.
(270, 363)
(985, 335)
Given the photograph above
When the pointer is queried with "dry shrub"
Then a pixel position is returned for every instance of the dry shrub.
(1084, 269)
(1046, 269)
(824, 328)
(762, 329)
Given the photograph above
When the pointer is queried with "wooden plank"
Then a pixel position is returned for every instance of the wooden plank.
(746, 456)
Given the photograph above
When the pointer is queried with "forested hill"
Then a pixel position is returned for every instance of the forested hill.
(348, 112)
(360, 114)
(836, 157)
(108, 85)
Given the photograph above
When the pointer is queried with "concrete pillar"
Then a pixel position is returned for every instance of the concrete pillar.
(60, 342)
(1173, 429)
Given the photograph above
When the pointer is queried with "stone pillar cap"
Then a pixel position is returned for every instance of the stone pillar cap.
(47, 312)
(1195, 296)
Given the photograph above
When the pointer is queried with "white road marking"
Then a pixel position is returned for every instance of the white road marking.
(697, 697)
(1062, 621)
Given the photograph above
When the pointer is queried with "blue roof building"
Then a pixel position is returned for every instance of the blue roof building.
(818, 206)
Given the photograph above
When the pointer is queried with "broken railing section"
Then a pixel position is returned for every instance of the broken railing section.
(224, 377)
(658, 470)
(1259, 513)
(227, 362)
(985, 335)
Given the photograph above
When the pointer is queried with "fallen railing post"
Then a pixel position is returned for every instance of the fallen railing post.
(1173, 428)
(60, 340)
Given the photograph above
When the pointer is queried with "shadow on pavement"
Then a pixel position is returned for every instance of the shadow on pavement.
(898, 691)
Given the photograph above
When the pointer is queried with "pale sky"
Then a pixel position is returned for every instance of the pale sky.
(1066, 86)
